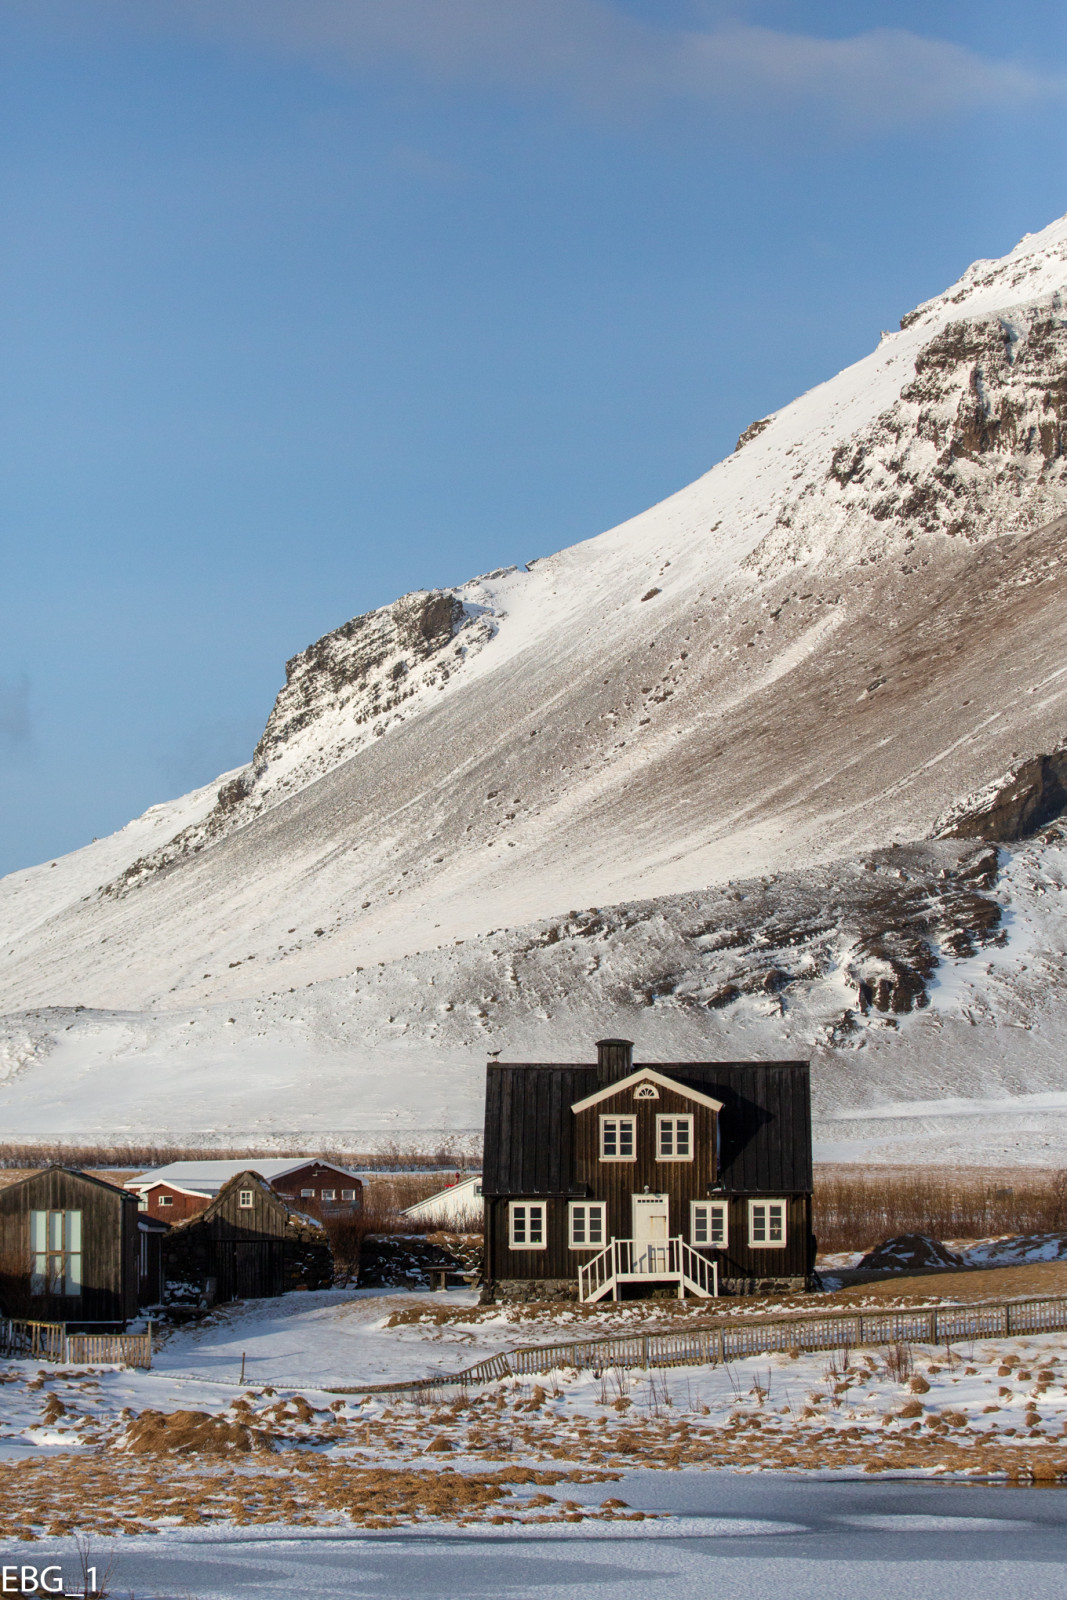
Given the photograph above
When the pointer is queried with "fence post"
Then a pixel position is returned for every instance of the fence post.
(1007, 1320)
(720, 1341)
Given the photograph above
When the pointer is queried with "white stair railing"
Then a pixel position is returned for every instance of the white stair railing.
(668, 1258)
(597, 1274)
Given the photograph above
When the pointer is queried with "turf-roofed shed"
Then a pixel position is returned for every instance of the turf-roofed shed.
(249, 1243)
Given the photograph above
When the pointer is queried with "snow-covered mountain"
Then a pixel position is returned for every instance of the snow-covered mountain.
(524, 812)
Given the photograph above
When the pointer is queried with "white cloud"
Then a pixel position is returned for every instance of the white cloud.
(591, 55)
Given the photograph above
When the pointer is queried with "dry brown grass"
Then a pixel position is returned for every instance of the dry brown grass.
(857, 1207)
(105, 1496)
(1037, 1278)
(385, 1195)
(459, 1152)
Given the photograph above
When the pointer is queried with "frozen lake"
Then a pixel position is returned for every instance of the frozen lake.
(752, 1538)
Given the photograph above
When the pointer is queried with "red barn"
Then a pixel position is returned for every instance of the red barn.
(318, 1188)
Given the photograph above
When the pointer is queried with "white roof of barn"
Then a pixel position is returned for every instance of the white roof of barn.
(208, 1177)
(465, 1192)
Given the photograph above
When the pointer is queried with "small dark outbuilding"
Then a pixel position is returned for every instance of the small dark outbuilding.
(247, 1244)
(71, 1250)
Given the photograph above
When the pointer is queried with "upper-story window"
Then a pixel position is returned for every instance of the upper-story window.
(617, 1139)
(164, 1200)
(674, 1138)
(307, 1194)
(329, 1194)
(245, 1199)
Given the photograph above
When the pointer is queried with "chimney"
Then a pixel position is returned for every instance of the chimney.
(614, 1060)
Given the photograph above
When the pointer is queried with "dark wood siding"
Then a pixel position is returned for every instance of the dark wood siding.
(536, 1148)
(109, 1254)
(248, 1251)
(741, 1261)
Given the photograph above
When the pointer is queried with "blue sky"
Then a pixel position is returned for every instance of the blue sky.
(307, 303)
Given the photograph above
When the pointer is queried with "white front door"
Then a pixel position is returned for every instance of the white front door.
(651, 1233)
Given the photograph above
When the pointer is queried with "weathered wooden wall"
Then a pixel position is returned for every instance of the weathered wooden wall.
(110, 1249)
(249, 1252)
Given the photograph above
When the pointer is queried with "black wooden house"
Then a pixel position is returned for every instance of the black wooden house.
(73, 1250)
(611, 1180)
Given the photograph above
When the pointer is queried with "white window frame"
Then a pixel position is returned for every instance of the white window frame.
(164, 1199)
(670, 1121)
(328, 1194)
(756, 1206)
(617, 1122)
(348, 1194)
(307, 1194)
(521, 1221)
(716, 1222)
(246, 1199)
(56, 1254)
(580, 1224)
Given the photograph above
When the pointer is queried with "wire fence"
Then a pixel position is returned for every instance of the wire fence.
(732, 1339)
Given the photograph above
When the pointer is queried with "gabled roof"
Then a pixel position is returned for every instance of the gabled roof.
(245, 1177)
(71, 1172)
(647, 1075)
(764, 1125)
(208, 1177)
(464, 1186)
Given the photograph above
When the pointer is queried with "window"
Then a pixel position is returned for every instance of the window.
(527, 1225)
(348, 1194)
(587, 1225)
(766, 1224)
(329, 1194)
(165, 1200)
(245, 1199)
(674, 1138)
(710, 1224)
(144, 1254)
(617, 1139)
(142, 1201)
(307, 1194)
(478, 1190)
(56, 1252)
(646, 1091)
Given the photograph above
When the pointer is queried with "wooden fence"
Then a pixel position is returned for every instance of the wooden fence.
(45, 1340)
(50, 1341)
(734, 1338)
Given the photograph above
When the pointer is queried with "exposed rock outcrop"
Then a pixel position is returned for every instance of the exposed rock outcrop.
(1029, 798)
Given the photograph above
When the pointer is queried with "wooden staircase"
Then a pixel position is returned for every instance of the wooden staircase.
(667, 1261)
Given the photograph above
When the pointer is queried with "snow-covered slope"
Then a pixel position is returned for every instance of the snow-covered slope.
(849, 634)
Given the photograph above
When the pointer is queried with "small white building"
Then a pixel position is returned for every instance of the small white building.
(459, 1204)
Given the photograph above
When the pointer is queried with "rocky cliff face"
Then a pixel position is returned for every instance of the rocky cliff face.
(1016, 806)
(346, 689)
(973, 448)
